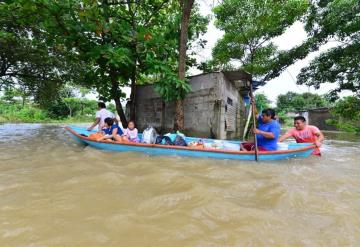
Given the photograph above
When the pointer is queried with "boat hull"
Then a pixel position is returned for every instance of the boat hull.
(302, 150)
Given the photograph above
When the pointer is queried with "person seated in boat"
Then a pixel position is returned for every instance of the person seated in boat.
(112, 131)
(131, 133)
(304, 133)
(101, 114)
(267, 134)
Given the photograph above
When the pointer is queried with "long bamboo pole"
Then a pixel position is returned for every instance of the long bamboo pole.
(254, 119)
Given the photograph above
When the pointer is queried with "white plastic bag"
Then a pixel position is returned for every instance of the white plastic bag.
(149, 135)
(231, 146)
(282, 146)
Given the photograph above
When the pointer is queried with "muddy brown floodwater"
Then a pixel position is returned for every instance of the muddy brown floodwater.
(54, 192)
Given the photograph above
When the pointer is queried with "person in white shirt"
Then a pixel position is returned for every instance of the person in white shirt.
(101, 114)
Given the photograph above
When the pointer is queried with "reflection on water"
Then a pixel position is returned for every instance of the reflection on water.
(54, 192)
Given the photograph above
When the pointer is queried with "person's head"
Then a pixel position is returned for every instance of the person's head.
(267, 115)
(109, 122)
(131, 125)
(299, 122)
(101, 105)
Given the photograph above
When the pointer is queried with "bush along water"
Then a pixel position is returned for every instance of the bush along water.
(17, 112)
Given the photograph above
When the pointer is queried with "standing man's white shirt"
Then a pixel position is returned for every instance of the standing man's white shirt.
(102, 114)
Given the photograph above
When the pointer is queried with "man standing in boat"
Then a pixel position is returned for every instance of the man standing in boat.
(101, 114)
(267, 133)
(304, 133)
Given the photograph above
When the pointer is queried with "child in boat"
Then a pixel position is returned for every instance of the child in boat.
(131, 133)
(111, 131)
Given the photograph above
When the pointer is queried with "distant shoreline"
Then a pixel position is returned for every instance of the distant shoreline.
(46, 122)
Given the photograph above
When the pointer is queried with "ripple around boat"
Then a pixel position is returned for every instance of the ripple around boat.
(293, 149)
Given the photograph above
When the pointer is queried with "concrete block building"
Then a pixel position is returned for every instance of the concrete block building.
(318, 117)
(215, 107)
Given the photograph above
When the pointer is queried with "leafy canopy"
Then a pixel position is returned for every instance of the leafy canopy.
(261, 101)
(293, 102)
(337, 21)
(249, 27)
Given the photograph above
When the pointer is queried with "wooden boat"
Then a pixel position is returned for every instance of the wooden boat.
(293, 149)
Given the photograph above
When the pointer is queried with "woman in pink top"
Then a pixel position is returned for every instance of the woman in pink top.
(304, 133)
(131, 132)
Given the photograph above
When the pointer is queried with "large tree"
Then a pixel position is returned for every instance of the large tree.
(27, 62)
(337, 21)
(327, 21)
(110, 44)
(249, 28)
(111, 40)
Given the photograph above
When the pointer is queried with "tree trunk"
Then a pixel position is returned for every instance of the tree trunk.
(186, 6)
(133, 95)
(179, 115)
(120, 111)
(115, 93)
(132, 10)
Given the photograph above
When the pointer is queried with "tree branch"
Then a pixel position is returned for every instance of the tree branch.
(155, 11)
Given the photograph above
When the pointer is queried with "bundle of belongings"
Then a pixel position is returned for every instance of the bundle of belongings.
(96, 136)
(175, 139)
(150, 136)
(196, 144)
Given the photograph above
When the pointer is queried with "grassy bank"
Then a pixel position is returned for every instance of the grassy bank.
(17, 113)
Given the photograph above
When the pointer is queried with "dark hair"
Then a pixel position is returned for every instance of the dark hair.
(269, 112)
(301, 118)
(101, 105)
(131, 121)
(109, 121)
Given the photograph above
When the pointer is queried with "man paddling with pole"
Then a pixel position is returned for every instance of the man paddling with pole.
(267, 133)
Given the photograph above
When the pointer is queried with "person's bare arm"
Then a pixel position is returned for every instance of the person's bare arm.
(284, 137)
(319, 138)
(96, 122)
(114, 132)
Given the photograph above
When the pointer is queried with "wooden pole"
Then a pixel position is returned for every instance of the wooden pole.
(254, 119)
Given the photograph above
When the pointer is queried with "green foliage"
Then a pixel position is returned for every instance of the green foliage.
(261, 101)
(14, 112)
(97, 44)
(27, 59)
(339, 21)
(68, 104)
(347, 108)
(294, 102)
(347, 114)
(83, 111)
(249, 27)
(344, 125)
(284, 119)
(328, 21)
(339, 65)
